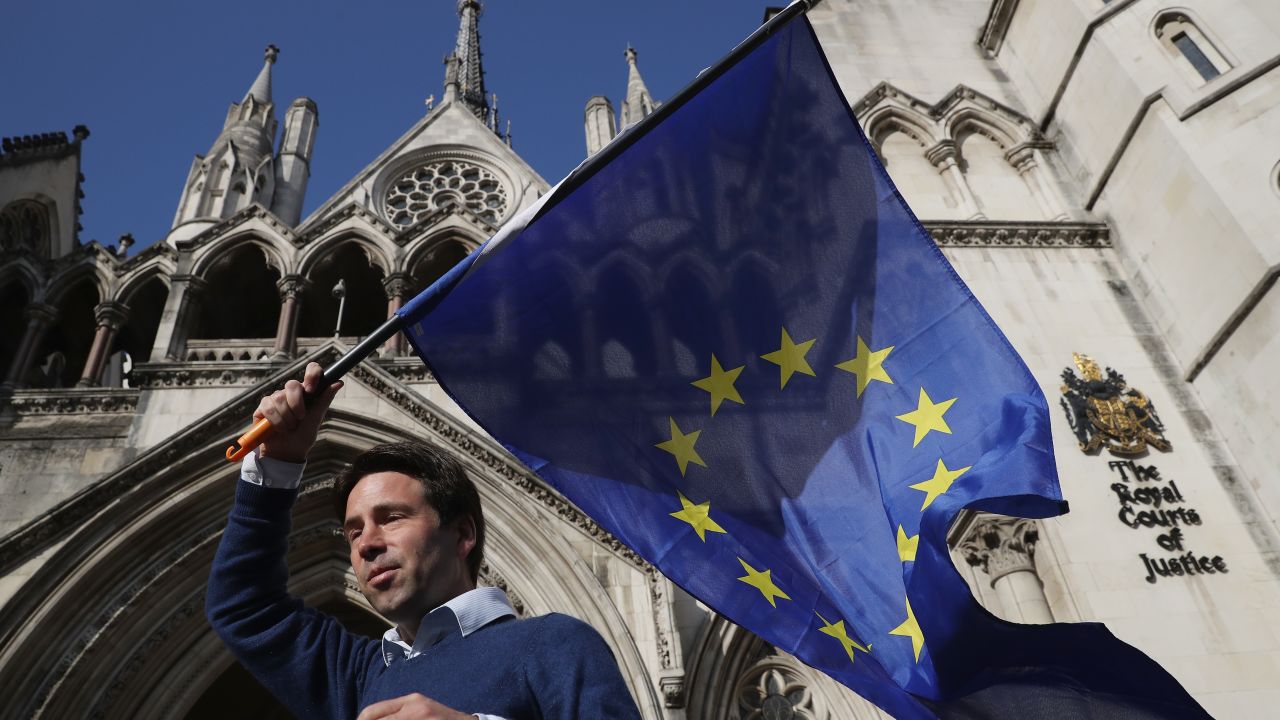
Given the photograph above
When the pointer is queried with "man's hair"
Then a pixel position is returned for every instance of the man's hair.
(445, 484)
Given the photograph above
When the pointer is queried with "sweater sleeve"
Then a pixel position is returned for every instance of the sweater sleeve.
(306, 659)
(573, 674)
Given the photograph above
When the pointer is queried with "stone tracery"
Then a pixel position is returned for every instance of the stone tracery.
(445, 184)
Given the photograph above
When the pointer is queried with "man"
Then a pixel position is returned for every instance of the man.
(416, 533)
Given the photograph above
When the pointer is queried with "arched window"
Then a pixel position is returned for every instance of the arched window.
(1199, 60)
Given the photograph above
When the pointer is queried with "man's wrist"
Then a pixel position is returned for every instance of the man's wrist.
(271, 472)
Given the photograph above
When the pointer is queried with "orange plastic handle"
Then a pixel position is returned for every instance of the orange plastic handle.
(250, 441)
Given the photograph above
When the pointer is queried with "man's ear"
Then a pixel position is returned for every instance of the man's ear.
(466, 536)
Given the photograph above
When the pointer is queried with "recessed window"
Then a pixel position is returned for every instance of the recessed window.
(1189, 48)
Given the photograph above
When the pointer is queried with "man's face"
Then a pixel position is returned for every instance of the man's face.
(406, 563)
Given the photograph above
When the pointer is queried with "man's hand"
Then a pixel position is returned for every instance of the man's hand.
(412, 707)
(294, 424)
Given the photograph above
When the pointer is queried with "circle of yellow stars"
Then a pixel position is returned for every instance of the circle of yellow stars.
(868, 367)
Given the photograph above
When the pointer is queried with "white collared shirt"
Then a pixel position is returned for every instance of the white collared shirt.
(474, 609)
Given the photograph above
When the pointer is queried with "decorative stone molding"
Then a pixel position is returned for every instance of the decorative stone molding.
(1006, 234)
(152, 376)
(672, 687)
(291, 287)
(1001, 545)
(111, 315)
(940, 153)
(776, 689)
(397, 285)
(41, 313)
(74, 401)
(407, 370)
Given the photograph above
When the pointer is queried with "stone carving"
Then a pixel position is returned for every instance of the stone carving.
(1001, 545)
(775, 689)
(77, 401)
(1104, 412)
(997, 234)
(445, 184)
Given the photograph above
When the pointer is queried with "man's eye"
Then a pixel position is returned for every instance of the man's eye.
(351, 536)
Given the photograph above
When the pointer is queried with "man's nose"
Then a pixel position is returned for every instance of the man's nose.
(370, 544)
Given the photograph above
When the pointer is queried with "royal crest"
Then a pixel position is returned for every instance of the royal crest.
(1104, 412)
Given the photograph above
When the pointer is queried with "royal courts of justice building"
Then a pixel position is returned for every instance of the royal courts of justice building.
(1104, 175)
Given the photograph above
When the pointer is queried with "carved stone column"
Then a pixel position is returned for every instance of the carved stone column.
(397, 286)
(110, 316)
(1031, 165)
(39, 317)
(291, 288)
(946, 157)
(1004, 547)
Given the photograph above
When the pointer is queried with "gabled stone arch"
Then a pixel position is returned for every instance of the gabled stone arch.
(87, 268)
(123, 590)
(24, 271)
(377, 248)
(160, 267)
(276, 251)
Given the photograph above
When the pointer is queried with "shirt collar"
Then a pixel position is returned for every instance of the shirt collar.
(474, 609)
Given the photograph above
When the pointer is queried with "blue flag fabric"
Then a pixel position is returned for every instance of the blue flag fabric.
(736, 349)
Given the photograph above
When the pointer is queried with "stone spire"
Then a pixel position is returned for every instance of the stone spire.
(638, 103)
(261, 89)
(469, 69)
(239, 168)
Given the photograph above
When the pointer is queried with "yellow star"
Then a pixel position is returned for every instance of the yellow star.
(939, 483)
(698, 516)
(838, 632)
(907, 545)
(868, 365)
(928, 416)
(790, 357)
(911, 629)
(681, 446)
(762, 582)
(720, 385)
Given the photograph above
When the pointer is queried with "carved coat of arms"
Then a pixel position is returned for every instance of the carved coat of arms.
(1104, 412)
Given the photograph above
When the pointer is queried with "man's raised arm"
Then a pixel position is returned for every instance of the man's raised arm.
(306, 659)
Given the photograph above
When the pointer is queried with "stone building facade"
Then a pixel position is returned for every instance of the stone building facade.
(1104, 175)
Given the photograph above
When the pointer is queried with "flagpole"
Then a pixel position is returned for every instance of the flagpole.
(262, 430)
(256, 435)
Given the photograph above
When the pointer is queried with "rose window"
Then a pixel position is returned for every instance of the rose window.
(445, 184)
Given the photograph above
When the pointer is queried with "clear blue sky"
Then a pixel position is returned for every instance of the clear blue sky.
(152, 80)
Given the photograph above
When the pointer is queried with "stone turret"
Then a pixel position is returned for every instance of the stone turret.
(599, 119)
(241, 167)
(293, 164)
(600, 124)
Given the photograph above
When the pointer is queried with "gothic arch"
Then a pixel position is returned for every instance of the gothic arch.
(29, 222)
(24, 272)
(136, 278)
(886, 120)
(277, 253)
(124, 591)
(87, 269)
(967, 121)
(380, 252)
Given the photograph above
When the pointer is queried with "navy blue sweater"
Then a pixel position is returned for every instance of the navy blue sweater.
(546, 667)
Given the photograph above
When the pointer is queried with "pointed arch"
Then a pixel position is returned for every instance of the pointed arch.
(378, 250)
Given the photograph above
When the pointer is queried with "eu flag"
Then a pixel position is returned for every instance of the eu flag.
(736, 349)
